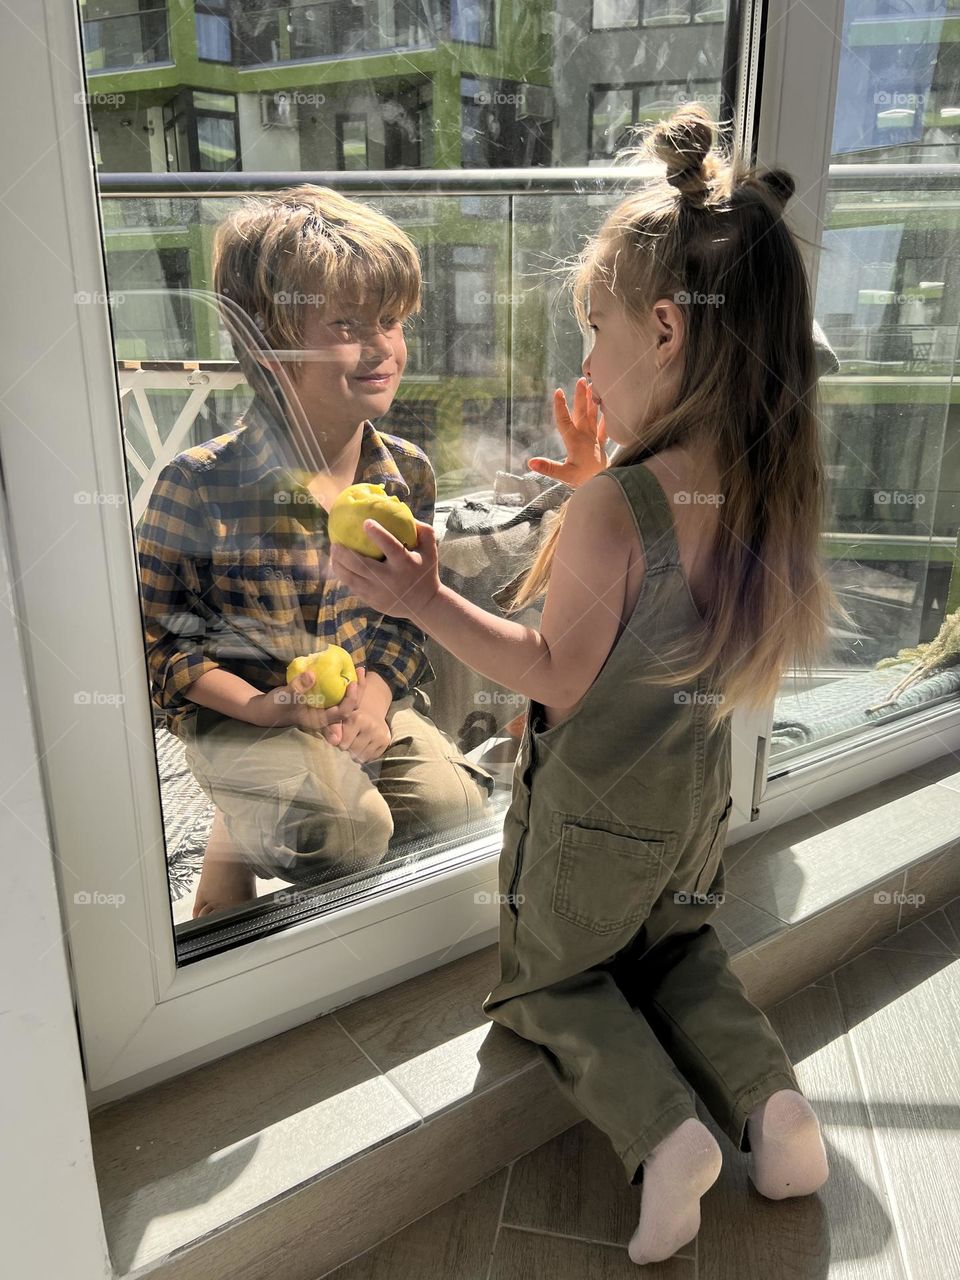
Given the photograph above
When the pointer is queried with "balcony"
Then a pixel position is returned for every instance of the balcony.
(124, 41)
(331, 29)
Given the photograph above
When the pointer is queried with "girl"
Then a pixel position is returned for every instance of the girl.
(682, 580)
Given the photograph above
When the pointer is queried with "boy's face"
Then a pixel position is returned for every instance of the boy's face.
(356, 357)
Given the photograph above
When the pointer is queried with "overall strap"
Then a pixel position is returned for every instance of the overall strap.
(652, 513)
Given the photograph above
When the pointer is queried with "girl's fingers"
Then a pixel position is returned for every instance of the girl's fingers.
(579, 399)
(553, 470)
(561, 411)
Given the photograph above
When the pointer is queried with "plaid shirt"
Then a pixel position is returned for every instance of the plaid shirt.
(233, 551)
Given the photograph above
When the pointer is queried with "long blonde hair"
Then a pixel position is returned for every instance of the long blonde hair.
(713, 225)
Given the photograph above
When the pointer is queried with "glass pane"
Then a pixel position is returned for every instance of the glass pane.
(254, 838)
(115, 38)
(610, 14)
(216, 142)
(352, 137)
(472, 21)
(213, 37)
(889, 428)
(611, 119)
(665, 13)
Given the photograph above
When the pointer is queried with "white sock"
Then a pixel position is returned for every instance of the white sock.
(786, 1146)
(676, 1173)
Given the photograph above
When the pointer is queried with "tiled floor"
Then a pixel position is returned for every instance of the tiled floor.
(877, 1048)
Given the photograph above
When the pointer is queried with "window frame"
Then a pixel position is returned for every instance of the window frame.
(627, 26)
(99, 769)
(214, 9)
(448, 8)
(182, 113)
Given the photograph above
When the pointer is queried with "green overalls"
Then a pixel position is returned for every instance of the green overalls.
(610, 869)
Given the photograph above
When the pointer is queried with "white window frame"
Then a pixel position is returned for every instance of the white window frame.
(801, 65)
(141, 1018)
(77, 601)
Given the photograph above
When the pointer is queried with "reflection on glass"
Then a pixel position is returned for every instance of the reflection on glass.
(116, 36)
(886, 303)
(213, 31)
(612, 14)
(233, 548)
(472, 21)
(665, 13)
(517, 85)
(897, 95)
(610, 120)
(614, 110)
(248, 591)
(352, 142)
(314, 88)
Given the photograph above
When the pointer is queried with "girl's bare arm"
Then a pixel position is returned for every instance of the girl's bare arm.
(554, 665)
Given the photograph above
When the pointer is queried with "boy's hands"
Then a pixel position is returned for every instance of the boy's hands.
(365, 736)
(404, 584)
(363, 733)
(583, 435)
(286, 705)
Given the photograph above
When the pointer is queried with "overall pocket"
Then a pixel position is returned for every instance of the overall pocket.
(607, 881)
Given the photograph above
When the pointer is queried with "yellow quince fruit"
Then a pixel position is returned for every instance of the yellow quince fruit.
(333, 671)
(359, 502)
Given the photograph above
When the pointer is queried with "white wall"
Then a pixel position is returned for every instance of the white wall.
(50, 1223)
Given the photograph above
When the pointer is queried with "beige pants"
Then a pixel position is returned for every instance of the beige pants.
(298, 808)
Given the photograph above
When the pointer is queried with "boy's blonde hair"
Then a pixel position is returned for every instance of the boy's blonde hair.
(713, 226)
(305, 246)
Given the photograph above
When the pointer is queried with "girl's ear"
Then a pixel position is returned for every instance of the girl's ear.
(668, 314)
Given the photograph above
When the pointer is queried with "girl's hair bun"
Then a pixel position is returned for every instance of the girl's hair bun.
(683, 142)
(779, 184)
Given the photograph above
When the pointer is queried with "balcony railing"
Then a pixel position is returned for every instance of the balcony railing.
(899, 334)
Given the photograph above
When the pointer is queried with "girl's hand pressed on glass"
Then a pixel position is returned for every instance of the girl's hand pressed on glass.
(584, 436)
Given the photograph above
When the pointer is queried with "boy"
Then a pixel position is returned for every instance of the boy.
(234, 563)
